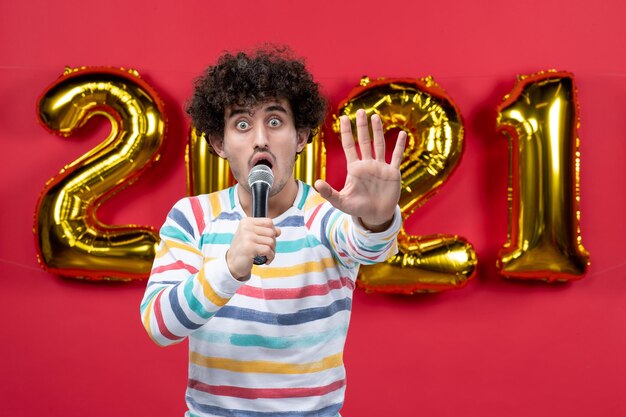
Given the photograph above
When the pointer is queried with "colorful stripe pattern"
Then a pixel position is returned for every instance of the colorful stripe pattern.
(272, 346)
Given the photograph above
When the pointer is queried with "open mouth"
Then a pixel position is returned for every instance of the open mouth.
(264, 162)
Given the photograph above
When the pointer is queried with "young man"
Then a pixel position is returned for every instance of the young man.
(267, 340)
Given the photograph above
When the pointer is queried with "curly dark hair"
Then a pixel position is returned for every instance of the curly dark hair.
(247, 79)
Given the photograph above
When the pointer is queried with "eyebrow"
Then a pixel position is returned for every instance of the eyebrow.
(242, 110)
(276, 107)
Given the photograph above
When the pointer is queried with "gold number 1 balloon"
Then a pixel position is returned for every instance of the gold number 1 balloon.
(434, 148)
(70, 239)
(540, 117)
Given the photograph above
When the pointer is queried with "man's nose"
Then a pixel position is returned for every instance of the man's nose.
(261, 137)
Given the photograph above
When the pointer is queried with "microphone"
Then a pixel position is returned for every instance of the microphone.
(260, 181)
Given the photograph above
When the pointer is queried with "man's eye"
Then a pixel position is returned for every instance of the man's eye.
(242, 125)
(275, 122)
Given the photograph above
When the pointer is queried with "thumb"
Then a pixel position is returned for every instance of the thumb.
(327, 192)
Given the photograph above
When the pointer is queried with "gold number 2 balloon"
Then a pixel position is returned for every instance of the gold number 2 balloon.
(540, 117)
(70, 239)
(207, 172)
(434, 148)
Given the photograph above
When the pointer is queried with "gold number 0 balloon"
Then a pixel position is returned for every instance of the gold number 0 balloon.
(540, 117)
(434, 148)
(70, 239)
(207, 172)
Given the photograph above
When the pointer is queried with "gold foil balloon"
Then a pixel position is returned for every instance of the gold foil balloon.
(434, 148)
(70, 239)
(311, 163)
(540, 117)
(207, 172)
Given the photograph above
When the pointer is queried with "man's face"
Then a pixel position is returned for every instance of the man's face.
(265, 133)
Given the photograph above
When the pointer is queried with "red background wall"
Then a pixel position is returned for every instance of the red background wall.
(494, 348)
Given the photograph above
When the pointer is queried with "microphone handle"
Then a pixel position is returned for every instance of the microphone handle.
(260, 192)
(259, 260)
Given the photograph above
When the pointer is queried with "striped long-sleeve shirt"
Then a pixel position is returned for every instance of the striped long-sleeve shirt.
(273, 345)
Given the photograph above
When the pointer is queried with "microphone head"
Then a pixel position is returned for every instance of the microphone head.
(261, 173)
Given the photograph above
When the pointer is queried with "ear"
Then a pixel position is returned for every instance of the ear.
(303, 138)
(217, 143)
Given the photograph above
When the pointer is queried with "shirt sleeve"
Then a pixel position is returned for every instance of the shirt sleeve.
(353, 245)
(185, 289)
